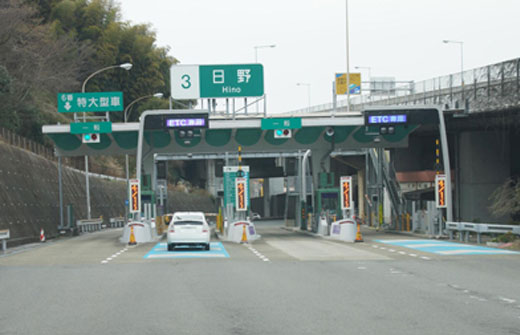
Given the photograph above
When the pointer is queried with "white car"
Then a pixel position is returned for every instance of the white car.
(189, 229)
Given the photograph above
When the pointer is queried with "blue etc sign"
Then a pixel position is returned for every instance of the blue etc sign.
(386, 119)
(188, 122)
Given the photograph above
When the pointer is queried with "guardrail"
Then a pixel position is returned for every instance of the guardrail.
(464, 228)
(118, 222)
(4, 236)
(85, 226)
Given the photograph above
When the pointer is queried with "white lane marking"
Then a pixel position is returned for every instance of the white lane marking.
(375, 246)
(362, 268)
(258, 254)
(413, 255)
(402, 252)
(509, 301)
(478, 298)
(391, 250)
(108, 259)
(382, 248)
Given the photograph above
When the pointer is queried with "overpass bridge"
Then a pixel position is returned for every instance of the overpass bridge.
(491, 88)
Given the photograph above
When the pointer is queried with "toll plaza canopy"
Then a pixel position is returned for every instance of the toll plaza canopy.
(343, 131)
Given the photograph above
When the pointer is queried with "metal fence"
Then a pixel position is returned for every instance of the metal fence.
(489, 88)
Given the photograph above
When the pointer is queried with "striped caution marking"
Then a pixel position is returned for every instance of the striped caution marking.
(446, 248)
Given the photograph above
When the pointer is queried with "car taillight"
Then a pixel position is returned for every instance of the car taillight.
(171, 231)
(204, 230)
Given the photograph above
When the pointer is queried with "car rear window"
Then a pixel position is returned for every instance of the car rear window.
(186, 222)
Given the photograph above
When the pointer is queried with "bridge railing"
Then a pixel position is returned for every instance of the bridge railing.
(491, 87)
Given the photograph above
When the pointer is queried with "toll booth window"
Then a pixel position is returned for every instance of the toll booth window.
(329, 201)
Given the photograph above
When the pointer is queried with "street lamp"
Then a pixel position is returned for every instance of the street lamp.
(124, 66)
(369, 76)
(127, 109)
(308, 92)
(262, 47)
(256, 61)
(126, 114)
(461, 59)
(365, 68)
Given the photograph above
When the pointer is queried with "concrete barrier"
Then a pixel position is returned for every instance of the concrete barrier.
(142, 232)
(344, 230)
(236, 229)
(4, 236)
(323, 227)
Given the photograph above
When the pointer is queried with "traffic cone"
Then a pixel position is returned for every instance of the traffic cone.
(42, 235)
(359, 238)
(244, 235)
(132, 236)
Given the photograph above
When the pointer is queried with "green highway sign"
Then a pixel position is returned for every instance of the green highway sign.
(90, 102)
(90, 127)
(217, 81)
(281, 123)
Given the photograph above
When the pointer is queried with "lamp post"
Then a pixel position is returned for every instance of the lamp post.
(348, 55)
(125, 66)
(262, 47)
(461, 60)
(308, 93)
(126, 113)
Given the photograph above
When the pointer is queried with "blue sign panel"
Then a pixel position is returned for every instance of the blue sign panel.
(387, 119)
(186, 122)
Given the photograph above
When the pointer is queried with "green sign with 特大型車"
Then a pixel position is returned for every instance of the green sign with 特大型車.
(90, 102)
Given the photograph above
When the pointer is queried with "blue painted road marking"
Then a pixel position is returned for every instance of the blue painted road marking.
(446, 248)
(160, 250)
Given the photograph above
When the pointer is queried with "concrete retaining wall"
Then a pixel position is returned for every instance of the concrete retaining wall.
(29, 198)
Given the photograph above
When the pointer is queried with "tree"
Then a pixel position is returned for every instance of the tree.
(39, 64)
(506, 199)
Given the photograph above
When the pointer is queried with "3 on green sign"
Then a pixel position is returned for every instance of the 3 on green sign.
(217, 81)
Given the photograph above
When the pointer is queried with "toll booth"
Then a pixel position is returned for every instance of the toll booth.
(328, 196)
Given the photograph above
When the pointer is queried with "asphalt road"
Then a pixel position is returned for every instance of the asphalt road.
(284, 283)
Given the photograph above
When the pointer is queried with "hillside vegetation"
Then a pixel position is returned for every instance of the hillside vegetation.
(51, 46)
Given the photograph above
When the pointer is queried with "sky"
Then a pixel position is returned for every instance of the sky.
(395, 38)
